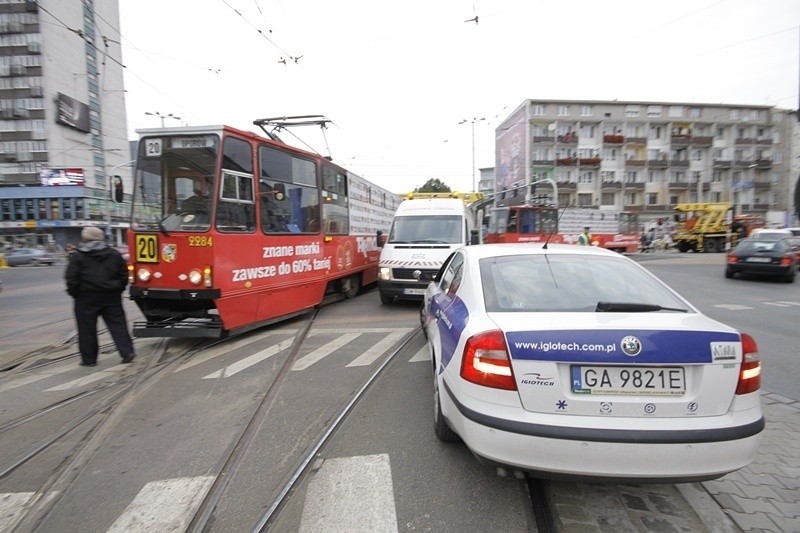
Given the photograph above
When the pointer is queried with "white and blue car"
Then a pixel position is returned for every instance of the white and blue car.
(575, 362)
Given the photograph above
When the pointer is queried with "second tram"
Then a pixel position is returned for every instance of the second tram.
(231, 230)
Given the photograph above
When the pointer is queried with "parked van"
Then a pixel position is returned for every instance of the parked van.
(426, 228)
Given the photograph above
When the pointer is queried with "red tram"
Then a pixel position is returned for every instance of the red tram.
(231, 230)
(539, 223)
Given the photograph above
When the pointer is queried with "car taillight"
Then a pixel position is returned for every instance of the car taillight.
(750, 372)
(732, 258)
(486, 361)
(787, 260)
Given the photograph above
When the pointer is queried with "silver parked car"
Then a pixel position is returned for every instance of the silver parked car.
(29, 256)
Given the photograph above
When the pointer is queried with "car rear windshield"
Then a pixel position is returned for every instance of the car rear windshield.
(761, 246)
(568, 283)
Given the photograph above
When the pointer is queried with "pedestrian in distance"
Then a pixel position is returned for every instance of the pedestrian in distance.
(96, 275)
(585, 238)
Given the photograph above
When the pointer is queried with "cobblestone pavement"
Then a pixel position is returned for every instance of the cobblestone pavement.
(762, 497)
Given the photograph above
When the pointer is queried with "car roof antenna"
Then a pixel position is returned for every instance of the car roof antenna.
(555, 228)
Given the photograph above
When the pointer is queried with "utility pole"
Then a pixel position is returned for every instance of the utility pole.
(162, 117)
(473, 121)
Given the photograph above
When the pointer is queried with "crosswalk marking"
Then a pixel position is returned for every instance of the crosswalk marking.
(351, 494)
(249, 361)
(227, 347)
(369, 357)
(165, 505)
(781, 304)
(18, 382)
(309, 359)
(421, 355)
(91, 378)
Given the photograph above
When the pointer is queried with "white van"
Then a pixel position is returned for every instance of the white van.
(424, 232)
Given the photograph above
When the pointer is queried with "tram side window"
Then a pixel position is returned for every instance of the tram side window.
(236, 211)
(334, 201)
(236, 207)
(289, 197)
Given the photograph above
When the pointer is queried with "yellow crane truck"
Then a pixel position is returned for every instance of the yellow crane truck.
(707, 227)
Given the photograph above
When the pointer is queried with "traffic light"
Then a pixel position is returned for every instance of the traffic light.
(117, 189)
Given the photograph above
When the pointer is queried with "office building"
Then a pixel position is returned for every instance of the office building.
(62, 120)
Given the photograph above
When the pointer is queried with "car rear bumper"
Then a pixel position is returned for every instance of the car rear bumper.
(665, 455)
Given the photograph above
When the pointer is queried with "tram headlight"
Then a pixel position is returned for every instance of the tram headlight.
(131, 275)
(195, 277)
(207, 281)
(384, 273)
(143, 275)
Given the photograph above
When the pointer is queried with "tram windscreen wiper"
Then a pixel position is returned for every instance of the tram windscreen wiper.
(633, 307)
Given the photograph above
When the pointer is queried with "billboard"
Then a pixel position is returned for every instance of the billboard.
(72, 113)
(61, 176)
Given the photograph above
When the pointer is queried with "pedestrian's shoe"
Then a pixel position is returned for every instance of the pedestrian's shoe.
(128, 358)
(88, 364)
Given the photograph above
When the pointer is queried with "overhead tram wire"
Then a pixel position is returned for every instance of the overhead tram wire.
(264, 35)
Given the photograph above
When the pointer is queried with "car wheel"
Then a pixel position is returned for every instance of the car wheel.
(440, 427)
(35, 262)
(386, 300)
(729, 274)
(789, 278)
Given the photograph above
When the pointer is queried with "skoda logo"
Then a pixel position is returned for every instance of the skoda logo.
(631, 345)
(416, 274)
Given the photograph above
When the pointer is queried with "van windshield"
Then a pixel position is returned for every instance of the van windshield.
(432, 229)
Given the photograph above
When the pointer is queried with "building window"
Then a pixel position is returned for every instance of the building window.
(607, 198)
(777, 158)
(586, 111)
(652, 198)
(585, 199)
(695, 112)
(563, 111)
(673, 199)
(675, 111)
(655, 132)
(607, 176)
(538, 110)
(631, 176)
(735, 114)
(632, 111)
(653, 111)
(697, 155)
(586, 177)
(654, 176)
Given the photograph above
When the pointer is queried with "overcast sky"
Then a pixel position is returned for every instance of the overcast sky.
(396, 78)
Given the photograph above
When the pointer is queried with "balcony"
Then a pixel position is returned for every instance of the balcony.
(566, 161)
(678, 185)
(635, 162)
(569, 138)
(611, 185)
(764, 140)
(762, 185)
(763, 163)
(680, 163)
(722, 163)
(567, 186)
(657, 163)
(698, 140)
(636, 140)
(633, 185)
(613, 139)
(543, 139)
(589, 161)
(680, 140)
(745, 141)
(542, 162)
(744, 163)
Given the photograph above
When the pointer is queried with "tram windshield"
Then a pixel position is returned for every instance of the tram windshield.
(175, 183)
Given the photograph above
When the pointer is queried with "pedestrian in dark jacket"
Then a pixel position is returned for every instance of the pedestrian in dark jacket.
(96, 276)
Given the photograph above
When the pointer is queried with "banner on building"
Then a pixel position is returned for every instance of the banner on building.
(61, 176)
(72, 113)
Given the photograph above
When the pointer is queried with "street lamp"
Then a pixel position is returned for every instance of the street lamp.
(162, 117)
(473, 121)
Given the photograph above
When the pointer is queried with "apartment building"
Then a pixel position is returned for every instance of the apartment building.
(647, 156)
(63, 131)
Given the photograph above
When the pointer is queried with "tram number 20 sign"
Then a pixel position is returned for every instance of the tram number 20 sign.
(146, 248)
